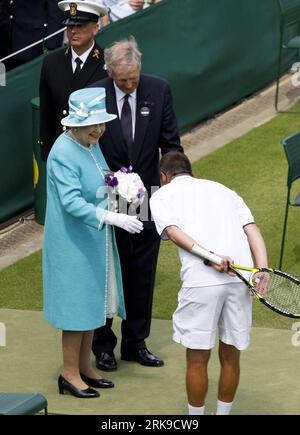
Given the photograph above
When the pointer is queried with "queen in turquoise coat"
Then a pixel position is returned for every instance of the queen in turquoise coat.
(81, 268)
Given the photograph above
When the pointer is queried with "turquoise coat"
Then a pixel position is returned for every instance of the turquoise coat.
(81, 268)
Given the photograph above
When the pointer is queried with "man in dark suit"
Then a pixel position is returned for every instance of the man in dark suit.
(24, 22)
(146, 124)
(67, 70)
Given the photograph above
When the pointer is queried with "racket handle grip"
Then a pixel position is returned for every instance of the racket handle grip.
(207, 255)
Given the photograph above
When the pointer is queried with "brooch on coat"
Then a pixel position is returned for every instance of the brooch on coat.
(96, 53)
(67, 51)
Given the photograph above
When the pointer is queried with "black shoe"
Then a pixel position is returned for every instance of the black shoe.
(144, 357)
(65, 386)
(106, 361)
(97, 383)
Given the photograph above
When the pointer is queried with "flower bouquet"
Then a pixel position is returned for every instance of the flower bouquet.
(127, 184)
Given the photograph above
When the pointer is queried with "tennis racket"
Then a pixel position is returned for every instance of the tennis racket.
(277, 290)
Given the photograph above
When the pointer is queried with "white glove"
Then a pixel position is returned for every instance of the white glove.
(122, 220)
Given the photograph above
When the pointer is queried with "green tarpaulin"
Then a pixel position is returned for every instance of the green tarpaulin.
(214, 53)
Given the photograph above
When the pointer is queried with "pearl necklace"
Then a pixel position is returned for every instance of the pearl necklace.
(96, 163)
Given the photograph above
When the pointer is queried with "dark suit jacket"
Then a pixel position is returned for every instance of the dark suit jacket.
(23, 22)
(56, 84)
(154, 132)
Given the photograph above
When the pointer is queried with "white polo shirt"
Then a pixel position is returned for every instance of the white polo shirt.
(210, 213)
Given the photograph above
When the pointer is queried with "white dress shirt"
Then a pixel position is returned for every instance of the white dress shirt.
(83, 57)
(132, 102)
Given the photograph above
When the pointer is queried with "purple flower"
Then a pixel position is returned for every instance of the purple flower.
(111, 180)
(126, 170)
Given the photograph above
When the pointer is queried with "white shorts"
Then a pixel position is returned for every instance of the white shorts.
(201, 310)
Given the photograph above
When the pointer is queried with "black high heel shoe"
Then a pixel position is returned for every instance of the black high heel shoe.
(64, 385)
(97, 383)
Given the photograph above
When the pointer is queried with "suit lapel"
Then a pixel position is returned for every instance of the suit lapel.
(114, 127)
(141, 121)
(95, 60)
(68, 71)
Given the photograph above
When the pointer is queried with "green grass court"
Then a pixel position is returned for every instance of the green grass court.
(31, 362)
(253, 165)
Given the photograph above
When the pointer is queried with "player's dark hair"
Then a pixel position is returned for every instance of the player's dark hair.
(175, 163)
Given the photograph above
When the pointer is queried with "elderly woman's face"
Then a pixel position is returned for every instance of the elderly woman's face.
(90, 134)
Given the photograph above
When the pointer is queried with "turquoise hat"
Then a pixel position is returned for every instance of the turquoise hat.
(87, 107)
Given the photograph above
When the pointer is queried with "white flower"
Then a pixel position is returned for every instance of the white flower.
(130, 187)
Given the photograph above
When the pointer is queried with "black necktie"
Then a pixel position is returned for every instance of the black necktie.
(78, 67)
(126, 122)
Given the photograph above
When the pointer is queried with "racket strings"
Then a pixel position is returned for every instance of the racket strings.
(283, 293)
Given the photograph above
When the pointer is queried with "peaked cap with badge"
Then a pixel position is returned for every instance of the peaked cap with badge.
(81, 12)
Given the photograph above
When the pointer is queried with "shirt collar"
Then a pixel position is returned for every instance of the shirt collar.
(180, 177)
(120, 94)
(83, 56)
